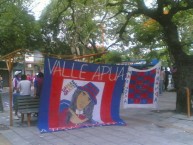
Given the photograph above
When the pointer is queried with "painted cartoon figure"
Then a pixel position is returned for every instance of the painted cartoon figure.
(81, 106)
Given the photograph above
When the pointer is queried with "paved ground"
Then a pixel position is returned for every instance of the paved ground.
(144, 127)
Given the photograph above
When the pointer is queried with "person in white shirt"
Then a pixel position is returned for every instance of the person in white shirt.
(24, 89)
(24, 86)
(16, 80)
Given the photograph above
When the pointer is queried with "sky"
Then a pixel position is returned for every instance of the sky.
(37, 7)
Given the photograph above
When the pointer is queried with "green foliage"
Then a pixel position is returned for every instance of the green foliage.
(18, 29)
(184, 22)
(112, 57)
(77, 27)
(148, 31)
(72, 23)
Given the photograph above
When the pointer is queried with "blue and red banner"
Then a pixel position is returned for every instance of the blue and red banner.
(142, 87)
(77, 94)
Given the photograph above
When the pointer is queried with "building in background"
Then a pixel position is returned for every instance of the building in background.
(32, 64)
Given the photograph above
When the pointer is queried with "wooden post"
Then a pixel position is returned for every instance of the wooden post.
(188, 100)
(9, 63)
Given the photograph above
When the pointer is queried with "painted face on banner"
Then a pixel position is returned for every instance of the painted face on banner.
(82, 100)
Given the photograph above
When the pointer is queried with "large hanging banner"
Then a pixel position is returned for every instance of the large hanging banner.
(142, 87)
(77, 94)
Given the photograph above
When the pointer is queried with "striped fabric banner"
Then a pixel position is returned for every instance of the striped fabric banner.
(142, 87)
(77, 94)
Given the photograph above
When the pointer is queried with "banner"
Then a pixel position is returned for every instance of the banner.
(142, 87)
(77, 94)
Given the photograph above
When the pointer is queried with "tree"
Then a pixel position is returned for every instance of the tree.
(169, 14)
(73, 23)
(18, 29)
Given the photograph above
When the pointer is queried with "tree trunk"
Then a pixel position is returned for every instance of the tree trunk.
(184, 63)
(183, 78)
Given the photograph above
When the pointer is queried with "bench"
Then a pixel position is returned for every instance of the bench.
(27, 105)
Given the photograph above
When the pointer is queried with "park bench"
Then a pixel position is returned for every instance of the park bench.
(27, 105)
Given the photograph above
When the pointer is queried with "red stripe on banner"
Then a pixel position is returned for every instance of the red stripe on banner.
(56, 88)
(107, 99)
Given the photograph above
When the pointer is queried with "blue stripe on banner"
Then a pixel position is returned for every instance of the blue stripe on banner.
(116, 99)
(43, 117)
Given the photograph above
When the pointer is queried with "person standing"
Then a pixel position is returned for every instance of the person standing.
(23, 89)
(24, 86)
(174, 75)
(161, 85)
(38, 84)
(15, 82)
(166, 80)
(161, 81)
